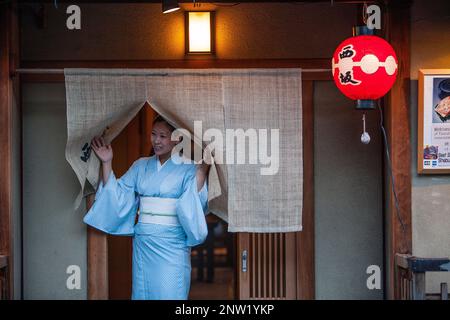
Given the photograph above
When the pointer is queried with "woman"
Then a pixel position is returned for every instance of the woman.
(171, 197)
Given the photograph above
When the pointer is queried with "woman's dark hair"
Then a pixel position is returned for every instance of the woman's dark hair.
(159, 118)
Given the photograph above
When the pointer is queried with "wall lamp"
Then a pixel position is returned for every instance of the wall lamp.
(200, 32)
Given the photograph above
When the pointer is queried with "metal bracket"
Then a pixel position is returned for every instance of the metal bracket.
(244, 260)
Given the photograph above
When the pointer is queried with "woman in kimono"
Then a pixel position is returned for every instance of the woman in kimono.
(171, 197)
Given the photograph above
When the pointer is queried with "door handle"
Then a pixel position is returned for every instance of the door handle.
(244, 260)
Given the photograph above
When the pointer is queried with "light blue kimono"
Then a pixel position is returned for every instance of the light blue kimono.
(161, 253)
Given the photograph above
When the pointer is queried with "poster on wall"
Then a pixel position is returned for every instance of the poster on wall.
(433, 154)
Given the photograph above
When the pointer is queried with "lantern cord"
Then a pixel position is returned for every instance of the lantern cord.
(364, 122)
(386, 145)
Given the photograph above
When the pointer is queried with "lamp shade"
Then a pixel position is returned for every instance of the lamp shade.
(169, 6)
(364, 67)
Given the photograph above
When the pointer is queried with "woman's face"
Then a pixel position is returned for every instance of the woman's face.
(162, 144)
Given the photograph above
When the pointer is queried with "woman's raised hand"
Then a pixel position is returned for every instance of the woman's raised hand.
(103, 151)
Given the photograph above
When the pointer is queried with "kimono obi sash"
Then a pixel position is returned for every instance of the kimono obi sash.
(158, 210)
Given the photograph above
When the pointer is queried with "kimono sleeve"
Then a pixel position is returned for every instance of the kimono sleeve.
(115, 206)
(191, 209)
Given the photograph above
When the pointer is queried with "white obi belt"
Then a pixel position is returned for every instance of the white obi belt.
(158, 210)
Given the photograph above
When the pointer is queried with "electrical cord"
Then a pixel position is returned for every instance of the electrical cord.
(386, 145)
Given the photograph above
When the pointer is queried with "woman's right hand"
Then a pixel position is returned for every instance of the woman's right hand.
(103, 151)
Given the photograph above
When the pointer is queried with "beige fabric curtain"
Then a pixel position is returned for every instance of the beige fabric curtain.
(105, 100)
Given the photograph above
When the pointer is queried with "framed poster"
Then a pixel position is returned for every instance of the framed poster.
(433, 154)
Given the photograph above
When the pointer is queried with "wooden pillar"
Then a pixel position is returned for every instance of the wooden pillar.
(444, 291)
(397, 115)
(7, 20)
(97, 261)
(418, 283)
(242, 260)
(305, 239)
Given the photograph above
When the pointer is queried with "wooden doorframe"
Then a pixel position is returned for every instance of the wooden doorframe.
(97, 251)
(9, 91)
(304, 286)
(397, 105)
(97, 245)
(6, 143)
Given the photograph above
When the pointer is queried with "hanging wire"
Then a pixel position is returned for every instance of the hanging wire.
(386, 146)
(364, 13)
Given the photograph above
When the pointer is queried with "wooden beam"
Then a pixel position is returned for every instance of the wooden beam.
(186, 63)
(182, 64)
(397, 111)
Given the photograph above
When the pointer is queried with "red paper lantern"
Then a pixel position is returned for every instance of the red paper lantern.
(364, 67)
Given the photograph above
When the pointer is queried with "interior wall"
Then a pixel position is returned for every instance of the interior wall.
(54, 236)
(430, 35)
(430, 49)
(246, 31)
(348, 197)
(140, 31)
